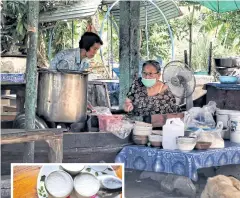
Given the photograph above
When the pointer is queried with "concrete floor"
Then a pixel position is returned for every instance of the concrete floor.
(138, 184)
(148, 188)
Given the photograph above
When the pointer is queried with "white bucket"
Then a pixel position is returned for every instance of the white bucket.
(234, 125)
(223, 116)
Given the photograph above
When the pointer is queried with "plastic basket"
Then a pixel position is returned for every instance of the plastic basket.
(105, 120)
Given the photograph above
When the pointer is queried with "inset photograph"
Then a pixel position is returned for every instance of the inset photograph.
(67, 180)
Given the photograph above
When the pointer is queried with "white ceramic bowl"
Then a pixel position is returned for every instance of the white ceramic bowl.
(59, 184)
(186, 143)
(110, 182)
(144, 132)
(155, 138)
(73, 169)
(144, 124)
(157, 132)
(86, 185)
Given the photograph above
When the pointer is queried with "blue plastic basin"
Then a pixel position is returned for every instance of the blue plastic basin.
(228, 79)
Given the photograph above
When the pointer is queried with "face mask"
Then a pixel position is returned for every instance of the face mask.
(149, 82)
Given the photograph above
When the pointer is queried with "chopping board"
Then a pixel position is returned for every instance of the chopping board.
(25, 181)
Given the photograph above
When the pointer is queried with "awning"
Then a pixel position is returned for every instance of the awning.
(221, 6)
(169, 9)
(79, 10)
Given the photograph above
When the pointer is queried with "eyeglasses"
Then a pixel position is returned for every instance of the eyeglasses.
(149, 74)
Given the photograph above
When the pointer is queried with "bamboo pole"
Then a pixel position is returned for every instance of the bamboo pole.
(31, 77)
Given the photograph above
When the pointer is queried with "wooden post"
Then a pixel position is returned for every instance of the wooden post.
(210, 59)
(55, 154)
(129, 45)
(31, 76)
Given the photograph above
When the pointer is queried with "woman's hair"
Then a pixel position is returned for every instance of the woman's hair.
(154, 64)
(88, 39)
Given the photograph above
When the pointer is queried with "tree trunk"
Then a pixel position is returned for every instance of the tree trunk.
(31, 77)
(42, 60)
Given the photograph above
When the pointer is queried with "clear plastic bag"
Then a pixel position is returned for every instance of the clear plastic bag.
(198, 117)
(102, 111)
(121, 129)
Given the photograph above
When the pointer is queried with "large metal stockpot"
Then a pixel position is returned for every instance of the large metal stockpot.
(62, 96)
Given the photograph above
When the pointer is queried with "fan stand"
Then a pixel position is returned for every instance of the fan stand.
(189, 101)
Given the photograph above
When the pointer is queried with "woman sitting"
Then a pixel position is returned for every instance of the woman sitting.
(148, 95)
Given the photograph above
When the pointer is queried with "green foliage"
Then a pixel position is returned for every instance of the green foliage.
(62, 35)
(158, 42)
(226, 28)
(222, 29)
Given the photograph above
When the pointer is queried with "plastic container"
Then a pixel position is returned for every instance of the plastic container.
(105, 120)
(223, 116)
(228, 79)
(173, 128)
(155, 140)
(234, 124)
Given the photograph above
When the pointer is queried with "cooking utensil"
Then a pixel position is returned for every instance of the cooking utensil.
(62, 96)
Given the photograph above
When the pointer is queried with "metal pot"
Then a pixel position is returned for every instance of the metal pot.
(227, 62)
(223, 62)
(62, 96)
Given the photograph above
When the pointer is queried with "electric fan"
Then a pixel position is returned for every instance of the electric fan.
(180, 80)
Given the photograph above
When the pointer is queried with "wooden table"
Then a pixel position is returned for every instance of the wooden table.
(54, 138)
(20, 92)
(25, 181)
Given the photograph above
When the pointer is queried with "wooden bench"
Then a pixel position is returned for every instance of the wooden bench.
(53, 137)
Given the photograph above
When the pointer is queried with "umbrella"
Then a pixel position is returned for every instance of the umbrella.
(221, 6)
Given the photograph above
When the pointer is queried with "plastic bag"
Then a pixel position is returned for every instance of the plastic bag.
(198, 117)
(121, 129)
(102, 111)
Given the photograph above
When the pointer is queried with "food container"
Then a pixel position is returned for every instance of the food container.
(157, 132)
(86, 185)
(155, 140)
(140, 140)
(186, 144)
(73, 169)
(144, 124)
(223, 116)
(105, 120)
(203, 145)
(59, 184)
(228, 79)
(142, 129)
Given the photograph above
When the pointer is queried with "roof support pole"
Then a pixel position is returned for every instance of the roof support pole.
(31, 77)
(129, 45)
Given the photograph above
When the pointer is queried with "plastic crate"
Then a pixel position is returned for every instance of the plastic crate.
(105, 120)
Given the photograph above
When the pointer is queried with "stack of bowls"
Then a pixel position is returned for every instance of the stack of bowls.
(155, 140)
(141, 131)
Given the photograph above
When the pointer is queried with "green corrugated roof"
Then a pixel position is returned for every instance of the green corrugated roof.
(81, 9)
(87, 8)
(169, 8)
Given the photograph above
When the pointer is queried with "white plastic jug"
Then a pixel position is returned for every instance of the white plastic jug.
(173, 128)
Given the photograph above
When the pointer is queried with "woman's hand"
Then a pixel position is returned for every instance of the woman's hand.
(128, 106)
